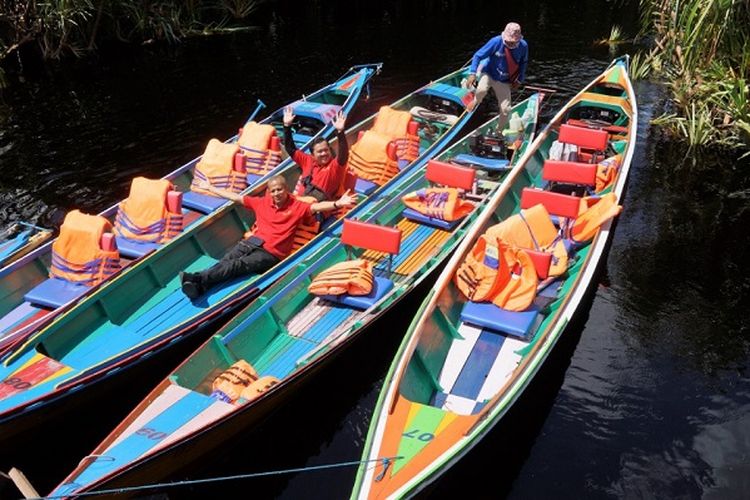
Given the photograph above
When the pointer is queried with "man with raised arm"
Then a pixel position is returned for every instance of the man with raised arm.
(322, 174)
(277, 215)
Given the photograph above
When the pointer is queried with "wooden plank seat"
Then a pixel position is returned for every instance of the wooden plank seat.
(478, 363)
(371, 237)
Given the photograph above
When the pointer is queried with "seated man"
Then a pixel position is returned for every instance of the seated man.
(277, 215)
(322, 174)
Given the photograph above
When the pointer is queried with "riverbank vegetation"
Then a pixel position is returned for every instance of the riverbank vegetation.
(53, 28)
(701, 49)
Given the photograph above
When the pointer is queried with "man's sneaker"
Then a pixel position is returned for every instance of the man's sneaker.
(190, 287)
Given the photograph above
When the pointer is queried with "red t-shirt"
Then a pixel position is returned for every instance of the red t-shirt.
(276, 225)
(328, 178)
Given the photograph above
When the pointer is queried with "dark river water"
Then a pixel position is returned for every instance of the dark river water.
(646, 396)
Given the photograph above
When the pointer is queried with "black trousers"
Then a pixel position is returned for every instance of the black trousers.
(241, 260)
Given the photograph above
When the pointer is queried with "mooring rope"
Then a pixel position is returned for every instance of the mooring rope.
(386, 461)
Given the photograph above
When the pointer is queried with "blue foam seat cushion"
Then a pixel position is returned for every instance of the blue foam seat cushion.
(252, 179)
(380, 287)
(54, 293)
(134, 249)
(201, 202)
(488, 315)
(445, 225)
(486, 163)
(365, 187)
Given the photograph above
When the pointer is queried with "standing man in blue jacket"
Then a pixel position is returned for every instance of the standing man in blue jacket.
(508, 56)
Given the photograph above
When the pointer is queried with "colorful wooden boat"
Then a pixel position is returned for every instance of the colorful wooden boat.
(29, 300)
(19, 239)
(463, 364)
(143, 311)
(288, 333)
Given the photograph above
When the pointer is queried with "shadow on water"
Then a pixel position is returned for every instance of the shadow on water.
(648, 396)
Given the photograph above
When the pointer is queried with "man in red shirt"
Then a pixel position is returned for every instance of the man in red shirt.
(322, 174)
(277, 215)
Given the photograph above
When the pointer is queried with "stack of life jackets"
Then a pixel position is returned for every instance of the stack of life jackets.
(240, 383)
(85, 252)
(352, 277)
(152, 211)
(218, 167)
(369, 158)
(438, 203)
(261, 147)
(497, 272)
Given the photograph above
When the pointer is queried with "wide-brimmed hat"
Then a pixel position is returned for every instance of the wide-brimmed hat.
(512, 32)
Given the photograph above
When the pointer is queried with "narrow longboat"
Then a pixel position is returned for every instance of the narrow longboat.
(463, 363)
(288, 333)
(30, 298)
(19, 239)
(142, 312)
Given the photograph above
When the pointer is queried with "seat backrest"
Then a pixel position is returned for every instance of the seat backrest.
(569, 172)
(450, 175)
(562, 205)
(371, 236)
(586, 138)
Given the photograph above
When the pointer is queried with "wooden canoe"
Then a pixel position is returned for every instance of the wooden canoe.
(463, 364)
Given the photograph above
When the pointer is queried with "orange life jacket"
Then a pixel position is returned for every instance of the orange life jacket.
(257, 388)
(217, 167)
(502, 274)
(594, 213)
(606, 172)
(144, 215)
(533, 229)
(483, 273)
(352, 277)
(77, 254)
(395, 124)
(438, 203)
(368, 158)
(261, 148)
(520, 290)
(230, 383)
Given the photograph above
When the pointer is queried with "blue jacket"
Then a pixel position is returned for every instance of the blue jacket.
(497, 67)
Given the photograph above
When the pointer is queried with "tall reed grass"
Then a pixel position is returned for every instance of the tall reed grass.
(701, 49)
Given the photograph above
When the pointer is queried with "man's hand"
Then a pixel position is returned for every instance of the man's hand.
(288, 116)
(470, 81)
(340, 121)
(347, 200)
